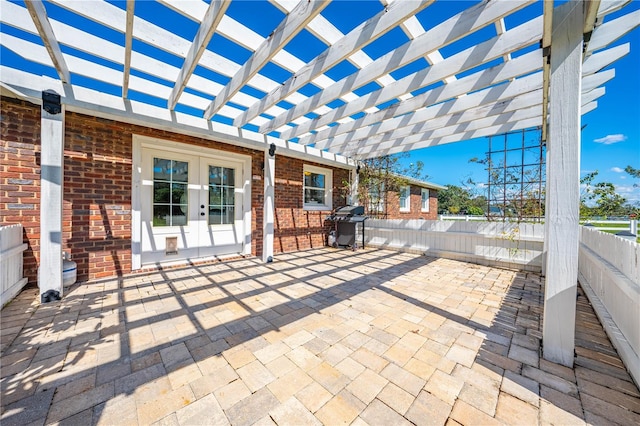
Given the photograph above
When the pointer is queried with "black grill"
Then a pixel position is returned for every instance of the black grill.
(346, 219)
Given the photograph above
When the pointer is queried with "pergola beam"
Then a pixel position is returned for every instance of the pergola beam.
(525, 64)
(513, 40)
(445, 33)
(208, 26)
(495, 95)
(479, 128)
(293, 23)
(128, 46)
(41, 21)
(363, 34)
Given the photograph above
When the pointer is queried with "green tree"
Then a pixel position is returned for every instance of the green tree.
(600, 199)
(454, 200)
(381, 175)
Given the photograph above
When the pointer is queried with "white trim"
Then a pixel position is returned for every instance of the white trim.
(422, 200)
(139, 142)
(407, 207)
(328, 188)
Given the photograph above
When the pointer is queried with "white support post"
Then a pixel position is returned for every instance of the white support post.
(269, 204)
(563, 185)
(51, 192)
(355, 182)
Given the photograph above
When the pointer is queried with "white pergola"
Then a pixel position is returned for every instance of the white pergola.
(410, 83)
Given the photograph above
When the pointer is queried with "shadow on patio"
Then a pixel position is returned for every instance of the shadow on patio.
(325, 335)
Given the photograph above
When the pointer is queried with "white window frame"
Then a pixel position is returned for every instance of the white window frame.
(422, 200)
(406, 207)
(328, 190)
(376, 199)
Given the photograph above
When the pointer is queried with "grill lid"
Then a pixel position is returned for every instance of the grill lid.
(350, 211)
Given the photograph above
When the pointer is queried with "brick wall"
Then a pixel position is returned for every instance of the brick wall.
(296, 228)
(415, 203)
(97, 190)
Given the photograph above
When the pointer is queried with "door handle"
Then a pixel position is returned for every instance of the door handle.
(202, 206)
(201, 213)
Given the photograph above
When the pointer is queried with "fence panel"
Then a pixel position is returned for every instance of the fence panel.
(512, 245)
(609, 272)
(11, 273)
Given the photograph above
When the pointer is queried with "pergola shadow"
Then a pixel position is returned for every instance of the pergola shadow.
(394, 314)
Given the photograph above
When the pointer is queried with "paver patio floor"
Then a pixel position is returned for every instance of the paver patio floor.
(320, 336)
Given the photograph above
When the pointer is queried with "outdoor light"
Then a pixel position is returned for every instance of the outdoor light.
(51, 102)
(272, 149)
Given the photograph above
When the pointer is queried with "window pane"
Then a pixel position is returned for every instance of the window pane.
(161, 215)
(215, 175)
(180, 171)
(228, 196)
(161, 169)
(161, 192)
(179, 193)
(313, 196)
(215, 215)
(229, 215)
(215, 195)
(179, 215)
(229, 177)
(314, 180)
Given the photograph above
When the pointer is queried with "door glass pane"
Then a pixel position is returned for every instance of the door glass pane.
(161, 192)
(179, 193)
(228, 196)
(161, 216)
(221, 195)
(170, 192)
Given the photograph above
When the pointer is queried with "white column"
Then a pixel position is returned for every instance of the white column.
(51, 190)
(355, 182)
(563, 185)
(269, 206)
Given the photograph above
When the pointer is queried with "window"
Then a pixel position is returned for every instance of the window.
(221, 195)
(317, 188)
(425, 200)
(170, 194)
(376, 197)
(405, 199)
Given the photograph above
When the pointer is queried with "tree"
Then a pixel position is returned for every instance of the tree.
(600, 199)
(381, 175)
(454, 200)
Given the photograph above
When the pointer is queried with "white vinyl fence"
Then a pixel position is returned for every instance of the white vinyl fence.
(609, 272)
(11, 248)
(509, 245)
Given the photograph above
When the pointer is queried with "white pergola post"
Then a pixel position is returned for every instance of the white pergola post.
(268, 215)
(563, 185)
(355, 182)
(51, 190)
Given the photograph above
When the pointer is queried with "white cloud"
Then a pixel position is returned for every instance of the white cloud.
(630, 192)
(617, 170)
(611, 139)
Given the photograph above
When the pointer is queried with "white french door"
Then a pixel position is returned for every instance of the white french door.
(192, 206)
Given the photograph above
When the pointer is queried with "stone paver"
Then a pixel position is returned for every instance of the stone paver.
(317, 337)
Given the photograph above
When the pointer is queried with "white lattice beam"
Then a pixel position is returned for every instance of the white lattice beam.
(208, 26)
(41, 21)
(293, 23)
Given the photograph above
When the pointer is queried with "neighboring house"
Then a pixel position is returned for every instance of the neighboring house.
(137, 197)
(415, 200)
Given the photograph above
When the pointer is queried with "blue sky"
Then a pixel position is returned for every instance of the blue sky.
(610, 140)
